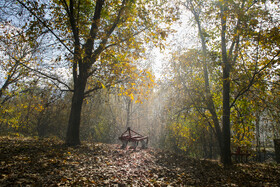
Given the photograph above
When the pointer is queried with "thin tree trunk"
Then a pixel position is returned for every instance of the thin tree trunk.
(258, 146)
(128, 112)
(209, 98)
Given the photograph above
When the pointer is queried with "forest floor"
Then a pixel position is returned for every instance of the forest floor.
(30, 162)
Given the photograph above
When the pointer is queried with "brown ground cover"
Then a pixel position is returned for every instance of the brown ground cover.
(48, 162)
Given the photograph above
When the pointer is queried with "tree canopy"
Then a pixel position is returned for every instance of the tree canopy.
(87, 69)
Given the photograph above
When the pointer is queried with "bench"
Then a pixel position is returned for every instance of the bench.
(240, 156)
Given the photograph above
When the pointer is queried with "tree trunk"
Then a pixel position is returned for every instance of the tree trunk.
(211, 147)
(218, 131)
(73, 131)
(128, 112)
(226, 93)
(226, 117)
(258, 145)
(277, 150)
(209, 98)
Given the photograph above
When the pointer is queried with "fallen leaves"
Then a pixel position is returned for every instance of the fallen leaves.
(50, 163)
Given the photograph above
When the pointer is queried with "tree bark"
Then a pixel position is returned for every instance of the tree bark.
(226, 117)
(226, 93)
(209, 98)
(73, 130)
(81, 65)
(258, 145)
(128, 113)
(277, 150)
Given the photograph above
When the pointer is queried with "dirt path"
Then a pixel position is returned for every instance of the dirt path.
(50, 163)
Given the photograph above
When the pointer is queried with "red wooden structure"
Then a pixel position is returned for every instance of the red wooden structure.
(134, 137)
(241, 155)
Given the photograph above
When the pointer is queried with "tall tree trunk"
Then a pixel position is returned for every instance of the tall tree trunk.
(226, 117)
(218, 130)
(226, 93)
(209, 98)
(277, 150)
(73, 131)
(258, 145)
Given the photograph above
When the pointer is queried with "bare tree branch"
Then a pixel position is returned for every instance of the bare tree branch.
(45, 75)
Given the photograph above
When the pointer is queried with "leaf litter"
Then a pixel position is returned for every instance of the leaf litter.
(48, 162)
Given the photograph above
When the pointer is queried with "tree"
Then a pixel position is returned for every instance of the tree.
(234, 26)
(195, 8)
(16, 54)
(98, 32)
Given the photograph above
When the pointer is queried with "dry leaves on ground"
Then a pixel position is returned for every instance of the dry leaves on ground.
(50, 163)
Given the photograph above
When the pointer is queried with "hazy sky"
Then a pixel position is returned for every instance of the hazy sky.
(184, 37)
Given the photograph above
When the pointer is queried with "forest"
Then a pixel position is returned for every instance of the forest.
(200, 79)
